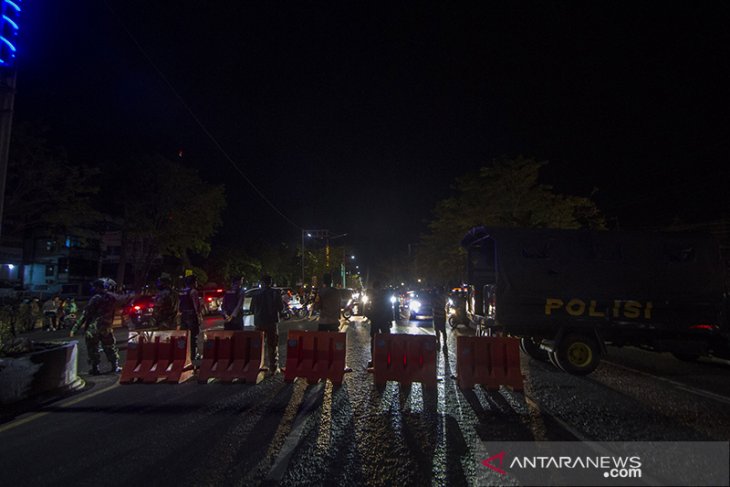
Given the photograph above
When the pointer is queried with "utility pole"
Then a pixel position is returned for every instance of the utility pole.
(7, 101)
(319, 234)
(9, 27)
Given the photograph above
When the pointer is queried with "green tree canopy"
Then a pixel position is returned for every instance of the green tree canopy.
(45, 190)
(506, 194)
(166, 209)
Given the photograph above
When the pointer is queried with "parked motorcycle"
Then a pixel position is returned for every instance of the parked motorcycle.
(295, 310)
(457, 314)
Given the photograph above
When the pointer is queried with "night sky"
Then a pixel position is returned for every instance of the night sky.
(357, 116)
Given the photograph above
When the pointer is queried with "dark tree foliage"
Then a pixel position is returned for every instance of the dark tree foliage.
(505, 194)
(45, 190)
(163, 208)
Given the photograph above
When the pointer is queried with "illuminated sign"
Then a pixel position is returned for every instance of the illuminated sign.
(9, 15)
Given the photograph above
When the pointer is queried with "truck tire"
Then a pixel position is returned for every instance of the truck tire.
(578, 354)
(452, 322)
(532, 348)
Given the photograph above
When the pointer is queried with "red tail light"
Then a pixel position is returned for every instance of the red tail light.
(137, 308)
(219, 290)
(210, 299)
(702, 327)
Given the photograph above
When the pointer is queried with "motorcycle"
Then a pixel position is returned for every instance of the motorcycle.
(68, 321)
(349, 310)
(295, 310)
(457, 315)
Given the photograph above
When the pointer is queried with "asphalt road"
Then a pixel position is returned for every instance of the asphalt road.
(298, 434)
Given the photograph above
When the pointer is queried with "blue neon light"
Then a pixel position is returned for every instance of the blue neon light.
(9, 21)
(9, 13)
(7, 43)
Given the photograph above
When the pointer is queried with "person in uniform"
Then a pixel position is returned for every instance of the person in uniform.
(327, 303)
(190, 317)
(438, 303)
(379, 313)
(232, 306)
(96, 323)
(266, 304)
(166, 305)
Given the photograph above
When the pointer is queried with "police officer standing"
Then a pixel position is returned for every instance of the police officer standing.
(190, 317)
(96, 323)
(232, 306)
(166, 305)
(266, 304)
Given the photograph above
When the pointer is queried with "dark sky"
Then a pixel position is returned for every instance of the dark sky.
(357, 116)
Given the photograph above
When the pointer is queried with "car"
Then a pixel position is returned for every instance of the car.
(419, 305)
(211, 300)
(296, 309)
(139, 311)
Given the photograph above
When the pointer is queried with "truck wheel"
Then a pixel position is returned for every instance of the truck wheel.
(578, 354)
(452, 323)
(686, 357)
(532, 348)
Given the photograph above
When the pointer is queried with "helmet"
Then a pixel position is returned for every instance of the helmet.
(104, 284)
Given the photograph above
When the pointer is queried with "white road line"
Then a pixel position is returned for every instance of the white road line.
(25, 420)
(295, 436)
(678, 385)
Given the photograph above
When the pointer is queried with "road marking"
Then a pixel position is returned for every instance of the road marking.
(33, 417)
(278, 469)
(678, 385)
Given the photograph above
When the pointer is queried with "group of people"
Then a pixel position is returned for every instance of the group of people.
(56, 313)
(182, 310)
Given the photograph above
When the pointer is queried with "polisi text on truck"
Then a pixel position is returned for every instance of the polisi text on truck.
(593, 308)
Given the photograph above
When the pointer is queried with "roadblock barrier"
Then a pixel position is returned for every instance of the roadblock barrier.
(156, 356)
(315, 356)
(405, 359)
(489, 361)
(232, 355)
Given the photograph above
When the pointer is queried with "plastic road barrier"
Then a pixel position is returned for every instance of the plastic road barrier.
(315, 356)
(232, 355)
(158, 356)
(489, 361)
(405, 359)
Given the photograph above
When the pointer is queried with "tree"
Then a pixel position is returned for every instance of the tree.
(44, 190)
(232, 261)
(166, 210)
(505, 194)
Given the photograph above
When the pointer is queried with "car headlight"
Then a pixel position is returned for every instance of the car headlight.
(365, 299)
(393, 299)
(415, 305)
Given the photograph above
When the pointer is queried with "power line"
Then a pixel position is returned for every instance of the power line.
(199, 122)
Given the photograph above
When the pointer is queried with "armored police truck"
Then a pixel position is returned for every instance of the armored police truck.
(568, 293)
